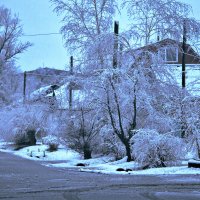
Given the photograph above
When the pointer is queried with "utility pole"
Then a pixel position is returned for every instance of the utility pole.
(70, 85)
(116, 34)
(120, 54)
(183, 121)
(71, 65)
(184, 55)
(24, 88)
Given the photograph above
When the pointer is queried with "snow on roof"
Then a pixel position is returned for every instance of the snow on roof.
(61, 95)
(43, 91)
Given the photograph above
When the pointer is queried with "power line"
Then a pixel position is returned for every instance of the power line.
(40, 34)
(45, 75)
(53, 75)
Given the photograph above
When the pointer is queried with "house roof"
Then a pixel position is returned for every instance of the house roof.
(153, 47)
(192, 57)
(61, 98)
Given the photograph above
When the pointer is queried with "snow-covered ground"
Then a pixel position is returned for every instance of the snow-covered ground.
(192, 77)
(67, 158)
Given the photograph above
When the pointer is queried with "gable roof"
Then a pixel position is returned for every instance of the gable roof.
(192, 57)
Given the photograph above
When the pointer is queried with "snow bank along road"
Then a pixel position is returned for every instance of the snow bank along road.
(25, 179)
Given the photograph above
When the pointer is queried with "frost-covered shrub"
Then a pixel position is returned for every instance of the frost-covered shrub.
(83, 140)
(152, 149)
(24, 137)
(81, 131)
(19, 136)
(52, 142)
(111, 144)
(22, 126)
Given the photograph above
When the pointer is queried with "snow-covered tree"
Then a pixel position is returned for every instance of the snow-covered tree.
(190, 105)
(139, 92)
(133, 96)
(8, 83)
(162, 18)
(86, 26)
(10, 47)
(120, 104)
(10, 32)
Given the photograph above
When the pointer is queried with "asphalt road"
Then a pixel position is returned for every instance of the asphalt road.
(26, 180)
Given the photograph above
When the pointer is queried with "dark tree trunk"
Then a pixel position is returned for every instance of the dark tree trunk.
(128, 149)
(31, 137)
(87, 152)
(160, 164)
(198, 148)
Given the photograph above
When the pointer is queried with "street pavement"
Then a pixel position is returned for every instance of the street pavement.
(26, 180)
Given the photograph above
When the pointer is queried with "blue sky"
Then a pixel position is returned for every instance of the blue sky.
(48, 51)
(37, 17)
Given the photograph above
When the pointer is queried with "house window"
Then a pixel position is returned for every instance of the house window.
(169, 54)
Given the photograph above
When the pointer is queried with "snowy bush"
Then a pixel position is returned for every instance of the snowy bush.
(52, 142)
(22, 126)
(19, 136)
(152, 149)
(111, 144)
(81, 131)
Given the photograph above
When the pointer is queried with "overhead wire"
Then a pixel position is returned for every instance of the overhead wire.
(46, 34)
(43, 75)
(54, 75)
(40, 34)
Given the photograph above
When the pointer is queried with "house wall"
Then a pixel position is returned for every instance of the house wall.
(190, 58)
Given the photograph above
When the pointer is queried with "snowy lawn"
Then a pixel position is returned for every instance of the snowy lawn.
(67, 158)
(39, 152)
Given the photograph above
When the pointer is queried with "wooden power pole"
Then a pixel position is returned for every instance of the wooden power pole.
(24, 88)
(183, 121)
(71, 65)
(116, 34)
(184, 56)
(70, 85)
